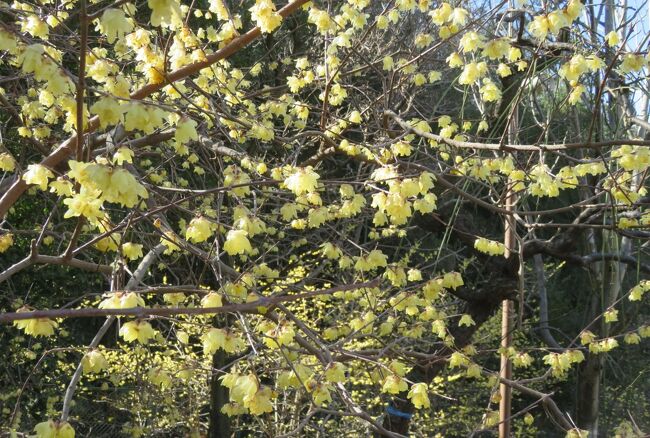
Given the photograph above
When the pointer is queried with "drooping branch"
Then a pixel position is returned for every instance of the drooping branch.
(260, 306)
(515, 147)
(34, 258)
(137, 277)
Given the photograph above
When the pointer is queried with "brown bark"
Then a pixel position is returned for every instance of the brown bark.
(588, 401)
(219, 422)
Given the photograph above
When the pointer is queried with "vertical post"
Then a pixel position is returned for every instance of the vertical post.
(507, 308)
(507, 317)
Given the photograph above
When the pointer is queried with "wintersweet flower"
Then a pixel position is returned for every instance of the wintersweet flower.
(93, 362)
(237, 243)
(335, 372)
(6, 240)
(37, 327)
(38, 174)
(166, 13)
(260, 402)
(174, 298)
(114, 24)
(122, 300)
(109, 110)
(199, 229)
(321, 393)
(612, 38)
(217, 338)
(54, 429)
(302, 180)
(212, 299)
(138, 330)
(418, 396)
(394, 384)
(7, 163)
(265, 15)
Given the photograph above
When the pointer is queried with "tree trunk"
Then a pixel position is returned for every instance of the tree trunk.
(219, 422)
(588, 402)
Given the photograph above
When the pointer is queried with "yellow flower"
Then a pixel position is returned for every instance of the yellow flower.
(109, 111)
(577, 433)
(199, 230)
(331, 251)
(54, 429)
(637, 292)
(122, 300)
(265, 15)
(419, 79)
(611, 315)
(632, 339)
(490, 91)
(489, 246)
(6, 240)
(612, 38)
(226, 340)
(458, 16)
(418, 396)
(523, 360)
(242, 388)
(166, 13)
(401, 148)
(382, 22)
(422, 40)
(632, 63)
(388, 63)
(114, 24)
(35, 26)
(233, 175)
(302, 180)
(539, 27)
(576, 94)
(237, 243)
(212, 299)
(335, 373)
(137, 330)
(132, 251)
(471, 73)
(36, 327)
(174, 298)
(159, 377)
(471, 41)
(87, 204)
(93, 362)
(185, 131)
(41, 327)
(7, 41)
(374, 259)
(496, 49)
(322, 20)
(466, 320)
(394, 384)
(260, 402)
(7, 163)
(503, 70)
(452, 280)
(61, 187)
(441, 15)
(454, 60)
(573, 9)
(38, 174)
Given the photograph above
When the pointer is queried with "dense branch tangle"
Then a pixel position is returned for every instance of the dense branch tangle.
(311, 212)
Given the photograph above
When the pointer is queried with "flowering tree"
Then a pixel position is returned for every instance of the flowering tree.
(319, 208)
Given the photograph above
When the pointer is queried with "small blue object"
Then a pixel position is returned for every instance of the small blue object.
(397, 413)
